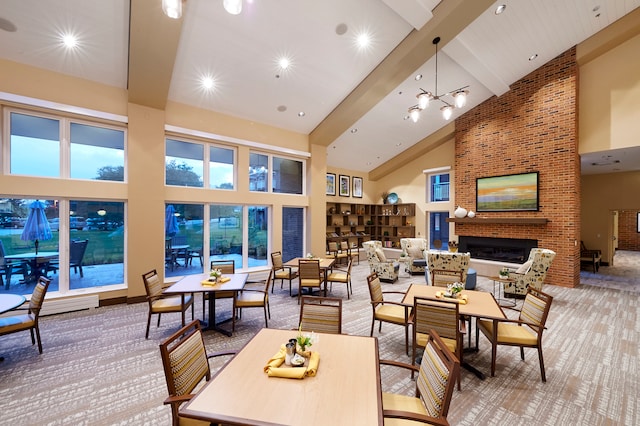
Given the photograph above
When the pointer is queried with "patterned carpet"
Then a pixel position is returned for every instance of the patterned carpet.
(97, 368)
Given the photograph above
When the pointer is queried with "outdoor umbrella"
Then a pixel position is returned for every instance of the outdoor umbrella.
(170, 222)
(37, 226)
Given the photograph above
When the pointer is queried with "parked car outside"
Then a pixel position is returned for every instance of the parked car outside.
(75, 222)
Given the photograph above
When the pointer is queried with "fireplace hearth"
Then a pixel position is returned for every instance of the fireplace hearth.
(509, 250)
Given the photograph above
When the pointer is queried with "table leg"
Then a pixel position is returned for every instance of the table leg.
(212, 325)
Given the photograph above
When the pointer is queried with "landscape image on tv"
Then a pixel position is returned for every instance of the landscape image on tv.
(507, 193)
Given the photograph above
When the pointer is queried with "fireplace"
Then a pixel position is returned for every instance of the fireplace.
(509, 250)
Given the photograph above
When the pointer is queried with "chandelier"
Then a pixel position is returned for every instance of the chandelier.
(458, 97)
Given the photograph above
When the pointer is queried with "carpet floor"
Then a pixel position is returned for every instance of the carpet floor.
(98, 369)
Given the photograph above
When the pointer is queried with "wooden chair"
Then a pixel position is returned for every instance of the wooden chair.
(434, 387)
(310, 276)
(226, 266)
(281, 272)
(343, 276)
(321, 314)
(185, 363)
(344, 246)
(335, 252)
(253, 298)
(29, 320)
(525, 332)
(160, 303)
(440, 315)
(387, 311)
(590, 257)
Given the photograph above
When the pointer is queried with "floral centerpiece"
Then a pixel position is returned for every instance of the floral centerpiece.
(504, 272)
(310, 256)
(304, 341)
(453, 246)
(215, 274)
(454, 290)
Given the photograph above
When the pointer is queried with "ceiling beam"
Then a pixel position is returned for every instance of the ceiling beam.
(153, 45)
(450, 17)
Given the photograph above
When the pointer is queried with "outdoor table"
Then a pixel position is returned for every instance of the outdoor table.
(8, 302)
(345, 390)
(34, 260)
(193, 284)
(480, 304)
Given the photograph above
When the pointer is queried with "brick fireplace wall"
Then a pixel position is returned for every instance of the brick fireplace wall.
(628, 235)
(533, 127)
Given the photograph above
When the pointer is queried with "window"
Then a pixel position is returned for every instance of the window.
(225, 234)
(258, 229)
(97, 153)
(287, 176)
(438, 228)
(258, 172)
(292, 232)
(184, 242)
(184, 162)
(35, 145)
(438, 187)
(221, 168)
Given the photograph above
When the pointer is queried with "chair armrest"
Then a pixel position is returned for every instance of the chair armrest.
(222, 353)
(178, 399)
(515, 321)
(395, 292)
(397, 414)
(399, 364)
(390, 302)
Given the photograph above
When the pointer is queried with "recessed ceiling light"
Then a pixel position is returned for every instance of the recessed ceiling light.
(363, 40)
(208, 83)
(500, 9)
(354, 130)
(532, 57)
(282, 108)
(418, 77)
(284, 63)
(69, 40)
(301, 114)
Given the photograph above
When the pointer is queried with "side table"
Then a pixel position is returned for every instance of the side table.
(499, 282)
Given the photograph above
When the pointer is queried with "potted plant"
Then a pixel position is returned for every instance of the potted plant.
(454, 290)
(504, 273)
(215, 274)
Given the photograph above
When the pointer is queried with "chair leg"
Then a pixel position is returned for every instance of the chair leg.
(266, 323)
(544, 377)
(146, 336)
(159, 315)
(373, 322)
(494, 348)
(38, 338)
(33, 340)
(521, 353)
(233, 317)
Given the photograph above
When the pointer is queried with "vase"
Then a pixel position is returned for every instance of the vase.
(471, 214)
(460, 212)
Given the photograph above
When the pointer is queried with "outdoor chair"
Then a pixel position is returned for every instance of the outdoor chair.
(280, 271)
(343, 276)
(253, 298)
(440, 315)
(8, 268)
(386, 310)
(29, 320)
(76, 254)
(321, 314)
(434, 387)
(160, 303)
(310, 276)
(525, 332)
(186, 363)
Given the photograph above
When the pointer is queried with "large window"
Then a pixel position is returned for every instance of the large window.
(292, 232)
(184, 163)
(258, 228)
(287, 176)
(258, 172)
(438, 229)
(93, 152)
(226, 233)
(184, 249)
(438, 187)
(221, 175)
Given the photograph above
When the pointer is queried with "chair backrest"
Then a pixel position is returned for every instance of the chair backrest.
(77, 250)
(184, 359)
(321, 314)
(446, 267)
(535, 309)
(225, 266)
(179, 240)
(309, 269)
(435, 314)
(438, 372)
(375, 288)
(37, 297)
(344, 246)
(333, 246)
(267, 284)
(276, 260)
(411, 246)
(374, 251)
(540, 262)
(152, 285)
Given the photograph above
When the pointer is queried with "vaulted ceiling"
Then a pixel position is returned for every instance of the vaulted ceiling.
(348, 96)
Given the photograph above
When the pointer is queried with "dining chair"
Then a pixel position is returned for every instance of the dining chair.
(434, 387)
(344, 246)
(310, 276)
(253, 298)
(77, 250)
(440, 315)
(186, 364)
(334, 251)
(226, 266)
(386, 310)
(282, 272)
(525, 332)
(10, 267)
(343, 276)
(28, 320)
(160, 303)
(321, 314)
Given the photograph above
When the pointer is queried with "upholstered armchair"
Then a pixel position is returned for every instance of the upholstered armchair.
(387, 269)
(531, 273)
(414, 249)
(447, 267)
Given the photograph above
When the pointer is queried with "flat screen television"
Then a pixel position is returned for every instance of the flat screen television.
(518, 192)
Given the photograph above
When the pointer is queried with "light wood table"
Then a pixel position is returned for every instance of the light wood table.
(193, 284)
(345, 391)
(480, 304)
(325, 265)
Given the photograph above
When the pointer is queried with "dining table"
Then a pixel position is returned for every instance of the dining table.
(9, 301)
(35, 260)
(345, 389)
(326, 263)
(479, 304)
(199, 283)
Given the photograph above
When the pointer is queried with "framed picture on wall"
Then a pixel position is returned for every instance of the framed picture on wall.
(507, 193)
(345, 185)
(357, 187)
(331, 184)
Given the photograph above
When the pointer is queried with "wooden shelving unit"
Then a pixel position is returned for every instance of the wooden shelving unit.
(505, 220)
(357, 223)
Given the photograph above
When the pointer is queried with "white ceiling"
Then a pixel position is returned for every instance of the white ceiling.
(240, 53)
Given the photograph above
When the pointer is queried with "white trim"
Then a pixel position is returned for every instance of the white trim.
(4, 96)
(243, 142)
(436, 170)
